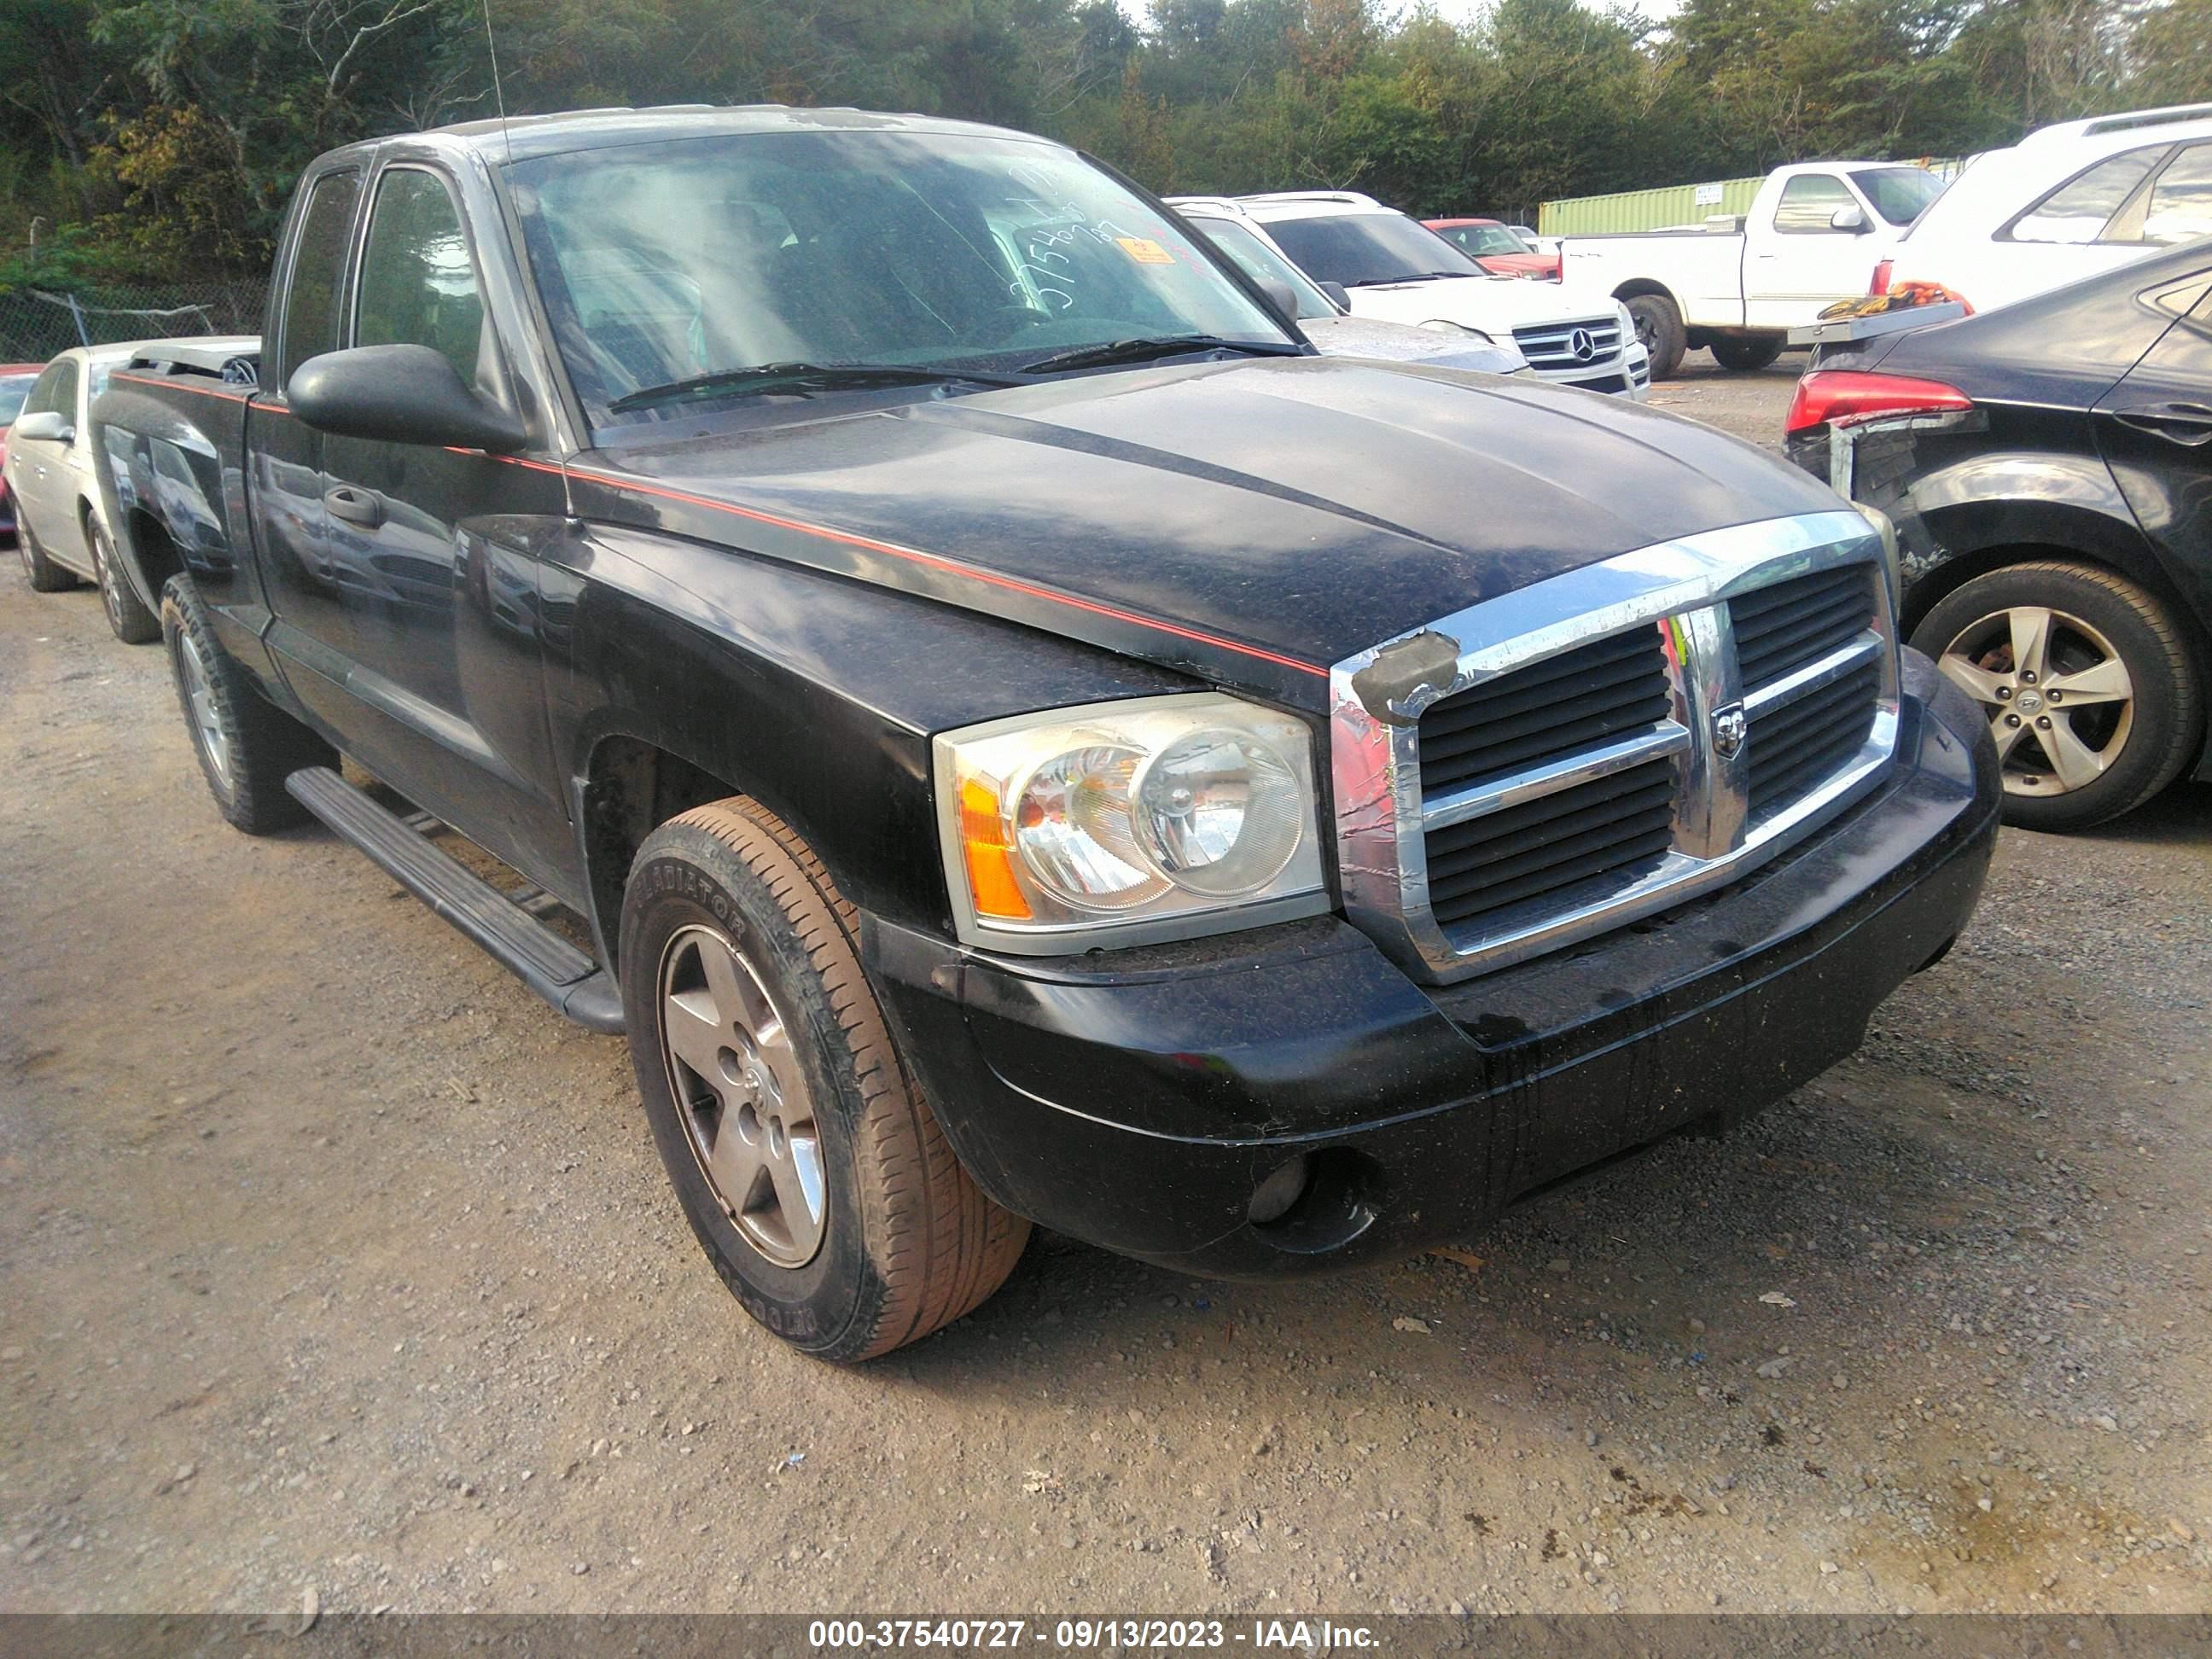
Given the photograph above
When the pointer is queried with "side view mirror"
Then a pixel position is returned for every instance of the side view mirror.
(1852, 219)
(1282, 295)
(50, 424)
(1338, 293)
(401, 394)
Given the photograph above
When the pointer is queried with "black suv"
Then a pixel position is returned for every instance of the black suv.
(2049, 469)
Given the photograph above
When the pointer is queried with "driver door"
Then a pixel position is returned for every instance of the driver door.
(1803, 263)
(425, 657)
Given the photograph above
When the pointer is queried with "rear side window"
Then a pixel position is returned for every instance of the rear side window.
(2079, 210)
(1809, 202)
(418, 285)
(2180, 205)
(311, 311)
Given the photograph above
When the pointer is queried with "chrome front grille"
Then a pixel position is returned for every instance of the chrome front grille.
(1576, 699)
(1612, 741)
(1607, 830)
(1563, 347)
(1778, 630)
(1802, 742)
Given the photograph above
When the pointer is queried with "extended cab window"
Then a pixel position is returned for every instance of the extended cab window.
(1810, 202)
(311, 309)
(2079, 210)
(418, 285)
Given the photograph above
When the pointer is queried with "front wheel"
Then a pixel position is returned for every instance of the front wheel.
(1745, 353)
(2086, 681)
(134, 625)
(809, 1166)
(1659, 326)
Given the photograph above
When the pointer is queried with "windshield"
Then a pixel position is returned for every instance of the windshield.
(1358, 248)
(13, 388)
(1263, 263)
(1900, 195)
(1484, 239)
(665, 263)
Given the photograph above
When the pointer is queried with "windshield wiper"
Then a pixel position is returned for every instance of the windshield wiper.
(1146, 350)
(800, 377)
(1413, 276)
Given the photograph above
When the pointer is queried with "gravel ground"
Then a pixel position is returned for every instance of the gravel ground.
(329, 1259)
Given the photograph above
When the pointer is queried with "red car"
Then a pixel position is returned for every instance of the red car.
(1497, 247)
(14, 386)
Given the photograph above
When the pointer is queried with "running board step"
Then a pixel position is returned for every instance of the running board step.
(551, 966)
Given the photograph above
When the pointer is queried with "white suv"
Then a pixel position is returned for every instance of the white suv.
(1393, 268)
(2065, 203)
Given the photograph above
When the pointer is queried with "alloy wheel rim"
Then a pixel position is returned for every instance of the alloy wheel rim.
(2060, 701)
(199, 697)
(103, 568)
(746, 1110)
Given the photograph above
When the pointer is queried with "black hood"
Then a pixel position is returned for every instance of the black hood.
(1249, 522)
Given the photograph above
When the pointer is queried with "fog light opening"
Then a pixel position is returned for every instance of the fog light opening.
(1318, 1202)
(1273, 1198)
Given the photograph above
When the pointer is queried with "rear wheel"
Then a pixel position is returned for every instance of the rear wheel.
(1659, 326)
(41, 572)
(2087, 682)
(134, 625)
(809, 1166)
(1746, 352)
(246, 746)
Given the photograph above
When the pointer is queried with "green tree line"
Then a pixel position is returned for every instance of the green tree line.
(151, 140)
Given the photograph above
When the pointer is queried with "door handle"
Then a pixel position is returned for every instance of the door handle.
(2187, 424)
(360, 506)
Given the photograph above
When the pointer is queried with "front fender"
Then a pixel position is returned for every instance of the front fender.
(816, 694)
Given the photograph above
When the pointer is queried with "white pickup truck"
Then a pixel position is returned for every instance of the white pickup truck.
(1814, 235)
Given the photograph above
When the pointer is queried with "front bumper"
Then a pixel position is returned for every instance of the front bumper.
(1627, 375)
(1136, 1099)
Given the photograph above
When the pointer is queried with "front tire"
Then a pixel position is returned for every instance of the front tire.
(1659, 326)
(1746, 353)
(134, 625)
(2088, 682)
(246, 746)
(43, 575)
(812, 1170)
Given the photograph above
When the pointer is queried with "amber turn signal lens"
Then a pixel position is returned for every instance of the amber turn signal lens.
(989, 858)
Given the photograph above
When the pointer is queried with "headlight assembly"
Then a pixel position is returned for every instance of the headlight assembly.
(1445, 326)
(1125, 822)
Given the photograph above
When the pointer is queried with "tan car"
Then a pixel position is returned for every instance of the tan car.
(63, 499)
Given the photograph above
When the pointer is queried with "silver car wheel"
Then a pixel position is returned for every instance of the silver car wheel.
(746, 1109)
(2059, 698)
(207, 721)
(103, 576)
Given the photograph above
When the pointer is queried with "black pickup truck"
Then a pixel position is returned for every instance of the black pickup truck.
(1023, 736)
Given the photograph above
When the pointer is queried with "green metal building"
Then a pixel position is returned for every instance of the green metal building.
(1645, 210)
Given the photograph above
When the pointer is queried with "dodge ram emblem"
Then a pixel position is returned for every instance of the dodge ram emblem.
(1582, 345)
(1730, 728)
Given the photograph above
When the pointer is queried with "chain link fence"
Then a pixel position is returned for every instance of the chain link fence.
(36, 322)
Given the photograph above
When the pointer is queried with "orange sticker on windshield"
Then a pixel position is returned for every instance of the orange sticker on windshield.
(1144, 251)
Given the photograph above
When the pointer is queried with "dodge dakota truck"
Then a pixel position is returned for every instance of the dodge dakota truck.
(1008, 731)
(1814, 235)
